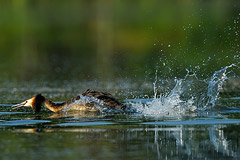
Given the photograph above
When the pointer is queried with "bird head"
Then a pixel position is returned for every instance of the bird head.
(34, 102)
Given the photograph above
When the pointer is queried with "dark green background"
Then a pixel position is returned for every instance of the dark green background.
(100, 39)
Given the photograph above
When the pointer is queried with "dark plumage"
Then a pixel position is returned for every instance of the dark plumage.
(105, 97)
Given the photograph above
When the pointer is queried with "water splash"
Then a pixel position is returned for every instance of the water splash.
(215, 85)
(90, 102)
(188, 95)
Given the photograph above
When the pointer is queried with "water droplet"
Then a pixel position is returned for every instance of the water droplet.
(236, 56)
(169, 45)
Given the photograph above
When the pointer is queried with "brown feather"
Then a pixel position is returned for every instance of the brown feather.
(105, 97)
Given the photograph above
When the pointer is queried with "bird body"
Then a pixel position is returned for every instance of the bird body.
(93, 99)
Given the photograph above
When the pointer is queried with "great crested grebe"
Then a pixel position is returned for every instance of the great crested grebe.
(40, 101)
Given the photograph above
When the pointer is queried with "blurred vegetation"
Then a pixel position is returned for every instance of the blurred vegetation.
(103, 39)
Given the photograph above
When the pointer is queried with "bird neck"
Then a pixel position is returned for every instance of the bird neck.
(55, 107)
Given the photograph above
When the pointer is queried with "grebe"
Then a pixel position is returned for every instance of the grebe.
(105, 98)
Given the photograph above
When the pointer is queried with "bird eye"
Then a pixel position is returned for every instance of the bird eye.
(26, 101)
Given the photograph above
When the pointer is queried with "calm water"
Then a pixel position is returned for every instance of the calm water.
(172, 126)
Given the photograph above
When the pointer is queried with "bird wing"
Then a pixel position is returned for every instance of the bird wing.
(105, 97)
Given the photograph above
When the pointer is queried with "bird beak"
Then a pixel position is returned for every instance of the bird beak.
(16, 106)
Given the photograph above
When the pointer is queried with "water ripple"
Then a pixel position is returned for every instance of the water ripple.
(22, 122)
(196, 122)
(99, 123)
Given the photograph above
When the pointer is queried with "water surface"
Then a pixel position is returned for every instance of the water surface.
(186, 123)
